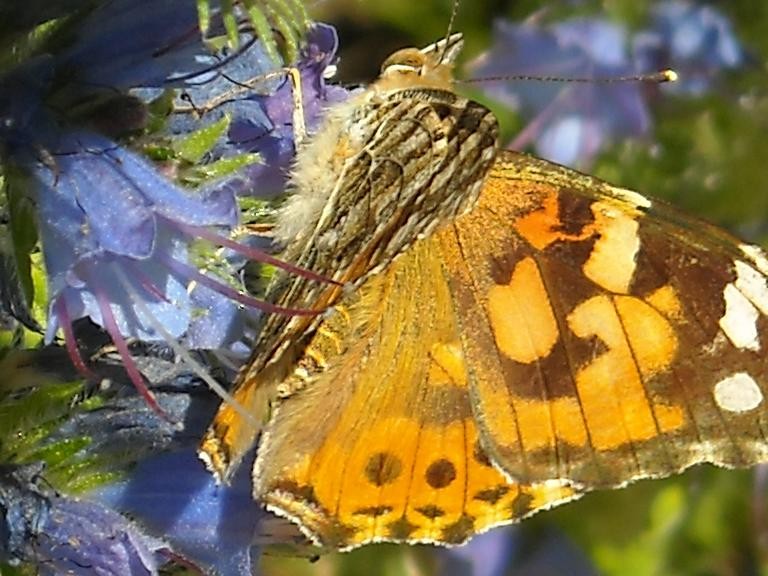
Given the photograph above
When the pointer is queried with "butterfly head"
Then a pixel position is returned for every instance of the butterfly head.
(429, 67)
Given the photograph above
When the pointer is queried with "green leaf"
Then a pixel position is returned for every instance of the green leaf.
(230, 22)
(221, 168)
(685, 525)
(21, 570)
(262, 27)
(288, 17)
(204, 16)
(271, 19)
(20, 414)
(255, 210)
(33, 410)
(79, 479)
(193, 147)
(159, 111)
(22, 227)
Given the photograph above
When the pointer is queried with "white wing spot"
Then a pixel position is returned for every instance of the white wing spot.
(757, 256)
(632, 197)
(751, 283)
(738, 393)
(613, 259)
(740, 319)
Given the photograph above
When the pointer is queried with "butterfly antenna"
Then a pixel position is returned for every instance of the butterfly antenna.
(451, 22)
(653, 78)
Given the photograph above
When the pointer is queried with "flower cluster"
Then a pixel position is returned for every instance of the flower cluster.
(117, 235)
(126, 247)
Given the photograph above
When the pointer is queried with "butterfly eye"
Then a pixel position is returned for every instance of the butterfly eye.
(405, 61)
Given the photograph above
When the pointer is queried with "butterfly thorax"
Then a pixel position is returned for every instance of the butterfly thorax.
(385, 169)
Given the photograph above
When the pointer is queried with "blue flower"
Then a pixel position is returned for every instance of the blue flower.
(23, 509)
(70, 536)
(121, 259)
(85, 538)
(128, 43)
(489, 554)
(210, 525)
(169, 492)
(696, 41)
(262, 119)
(571, 122)
(116, 234)
(512, 549)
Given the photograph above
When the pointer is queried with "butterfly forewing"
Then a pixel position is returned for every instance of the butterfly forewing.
(607, 338)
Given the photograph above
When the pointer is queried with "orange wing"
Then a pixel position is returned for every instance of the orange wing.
(564, 335)
(383, 444)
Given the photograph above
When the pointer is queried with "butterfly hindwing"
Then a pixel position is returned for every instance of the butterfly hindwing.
(392, 452)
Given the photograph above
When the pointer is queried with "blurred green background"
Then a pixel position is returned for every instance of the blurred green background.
(706, 154)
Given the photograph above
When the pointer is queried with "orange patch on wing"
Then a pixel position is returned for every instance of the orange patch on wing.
(543, 423)
(447, 366)
(651, 337)
(435, 480)
(610, 387)
(611, 263)
(666, 301)
(523, 323)
(231, 435)
(543, 227)
(374, 472)
(669, 418)
(439, 479)
(500, 417)
(540, 424)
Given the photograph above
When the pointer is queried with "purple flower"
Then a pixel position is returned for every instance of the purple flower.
(696, 41)
(116, 234)
(278, 146)
(88, 539)
(264, 124)
(571, 122)
(211, 525)
(69, 536)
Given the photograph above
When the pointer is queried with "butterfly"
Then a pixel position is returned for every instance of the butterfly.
(502, 335)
